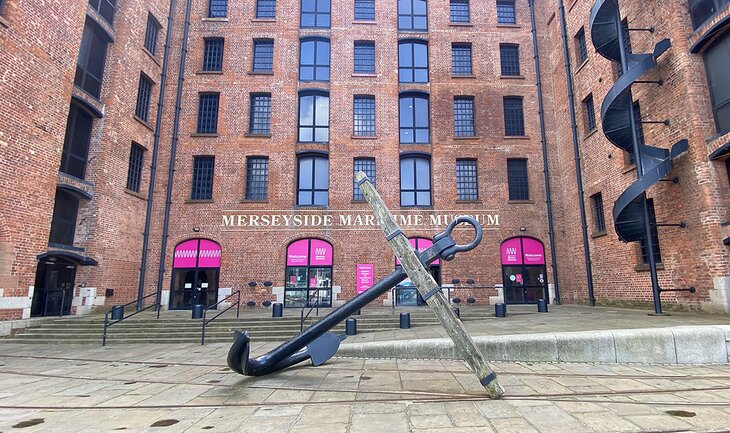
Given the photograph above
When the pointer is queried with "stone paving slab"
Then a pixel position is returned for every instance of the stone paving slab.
(188, 388)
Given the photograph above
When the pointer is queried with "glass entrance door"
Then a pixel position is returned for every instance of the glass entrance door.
(196, 270)
(54, 288)
(523, 271)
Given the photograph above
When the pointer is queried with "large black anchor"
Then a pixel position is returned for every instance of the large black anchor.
(319, 345)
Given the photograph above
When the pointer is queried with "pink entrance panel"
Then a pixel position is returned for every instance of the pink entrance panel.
(210, 254)
(533, 252)
(320, 253)
(297, 254)
(420, 245)
(186, 254)
(511, 252)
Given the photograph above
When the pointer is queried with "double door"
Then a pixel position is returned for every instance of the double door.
(524, 284)
(192, 287)
(54, 288)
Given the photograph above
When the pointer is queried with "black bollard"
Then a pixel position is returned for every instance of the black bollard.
(500, 310)
(457, 312)
(350, 326)
(542, 306)
(405, 320)
(277, 310)
(118, 312)
(198, 311)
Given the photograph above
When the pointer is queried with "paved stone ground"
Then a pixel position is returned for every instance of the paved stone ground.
(165, 388)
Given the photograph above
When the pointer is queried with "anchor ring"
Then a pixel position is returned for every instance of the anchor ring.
(449, 253)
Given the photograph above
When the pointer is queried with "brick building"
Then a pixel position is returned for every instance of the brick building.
(190, 147)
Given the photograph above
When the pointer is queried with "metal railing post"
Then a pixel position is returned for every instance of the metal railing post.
(238, 305)
(106, 325)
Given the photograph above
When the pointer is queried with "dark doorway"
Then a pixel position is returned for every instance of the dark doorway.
(196, 268)
(54, 287)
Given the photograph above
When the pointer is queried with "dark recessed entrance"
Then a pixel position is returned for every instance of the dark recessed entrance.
(406, 293)
(54, 287)
(524, 274)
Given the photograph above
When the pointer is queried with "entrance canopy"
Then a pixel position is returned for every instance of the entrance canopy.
(68, 255)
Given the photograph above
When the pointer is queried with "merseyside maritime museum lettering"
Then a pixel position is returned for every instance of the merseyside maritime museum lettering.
(347, 220)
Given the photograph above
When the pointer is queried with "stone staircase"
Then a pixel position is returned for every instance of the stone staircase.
(178, 327)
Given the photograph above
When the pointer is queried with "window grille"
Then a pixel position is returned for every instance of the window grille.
(517, 179)
(363, 116)
(144, 91)
(506, 12)
(466, 179)
(514, 124)
(265, 8)
(151, 35)
(263, 55)
(367, 166)
(134, 173)
(461, 59)
(459, 11)
(218, 8)
(260, 117)
(208, 113)
(257, 178)
(202, 178)
(598, 216)
(509, 55)
(364, 57)
(213, 55)
(365, 10)
(464, 117)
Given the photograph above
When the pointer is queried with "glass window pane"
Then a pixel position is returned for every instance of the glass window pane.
(305, 198)
(423, 173)
(407, 198)
(320, 198)
(308, 5)
(306, 110)
(419, 7)
(420, 54)
(407, 175)
(422, 136)
(307, 53)
(406, 112)
(421, 112)
(323, 111)
(305, 173)
(423, 198)
(323, 53)
(404, 7)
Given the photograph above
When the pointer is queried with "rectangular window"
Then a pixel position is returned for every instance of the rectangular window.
(260, 117)
(208, 113)
(213, 55)
(412, 15)
(314, 59)
(315, 13)
(263, 55)
(265, 8)
(106, 9)
(506, 12)
(581, 49)
(461, 59)
(367, 166)
(202, 178)
(314, 117)
(466, 179)
(517, 179)
(144, 91)
(134, 173)
(363, 110)
(414, 120)
(509, 56)
(90, 66)
(590, 113)
(464, 117)
(598, 217)
(514, 122)
(218, 8)
(364, 57)
(150, 36)
(364, 10)
(654, 237)
(257, 178)
(702, 10)
(459, 11)
(313, 181)
(76, 142)
(63, 224)
(717, 65)
(415, 181)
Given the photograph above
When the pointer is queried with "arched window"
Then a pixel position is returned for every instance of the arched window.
(413, 62)
(415, 181)
(313, 181)
(308, 279)
(314, 117)
(414, 118)
(314, 59)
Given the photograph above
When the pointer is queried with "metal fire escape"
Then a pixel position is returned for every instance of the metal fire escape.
(630, 211)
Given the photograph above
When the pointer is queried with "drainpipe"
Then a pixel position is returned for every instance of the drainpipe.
(173, 151)
(543, 141)
(155, 149)
(576, 155)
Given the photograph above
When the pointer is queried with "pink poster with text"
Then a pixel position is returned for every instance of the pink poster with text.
(364, 277)
(533, 252)
(320, 253)
(511, 252)
(297, 254)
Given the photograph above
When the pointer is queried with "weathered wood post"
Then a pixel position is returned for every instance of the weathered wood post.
(429, 289)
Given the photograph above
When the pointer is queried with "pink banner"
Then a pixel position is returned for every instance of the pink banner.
(364, 277)
(296, 254)
(420, 245)
(186, 254)
(511, 252)
(533, 252)
(320, 253)
(209, 255)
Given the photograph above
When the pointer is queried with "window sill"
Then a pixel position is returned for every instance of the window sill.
(209, 73)
(589, 133)
(315, 143)
(250, 135)
(463, 76)
(600, 234)
(520, 202)
(516, 137)
(135, 194)
(358, 201)
(364, 137)
(360, 74)
(197, 134)
(253, 200)
(365, 22)
(310, 206)
(263, 20)
(152, 56)
(467, 24)
(260, 72)
(511, 77)
(644, 267)
(578, 69)
(477, 201)
(417, 207)
(146, 125)
(466, 138)
(215, 20)
(191, 201)
(509, 26)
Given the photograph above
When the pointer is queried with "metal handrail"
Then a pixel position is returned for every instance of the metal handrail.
(107, 324)
(302, 317)
(63, 301)
(205, 322)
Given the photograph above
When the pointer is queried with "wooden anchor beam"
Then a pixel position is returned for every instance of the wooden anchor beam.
(429, 289)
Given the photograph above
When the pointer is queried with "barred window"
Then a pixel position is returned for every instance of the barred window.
(590, 113)
(314, 59)
(580, 46)
(415, 181)
(257, 178)
(134, 173)
(459, 11)
(144, 90)
(364, 57)
(314, 117)
(313, 181)
(202, 178)
(363, 110)
(260, 117)
(150, 37)
(627, 45)
(509, 56)
(598, 217)
(365, 10)
(654, 237)
(92, 56)
(217, 8)
(412, 15)
(208, 113)
(315, 13)
(263, 55)
(213, 55)
(461, 59)
(106, 8)
(466, 179)
(414, 118)
(514, 122)
(506, 12)
(464, 116)
(517, 179)
(413, 62)
(367, 166)
(717, 65)
(265, 8)
(702, 10)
